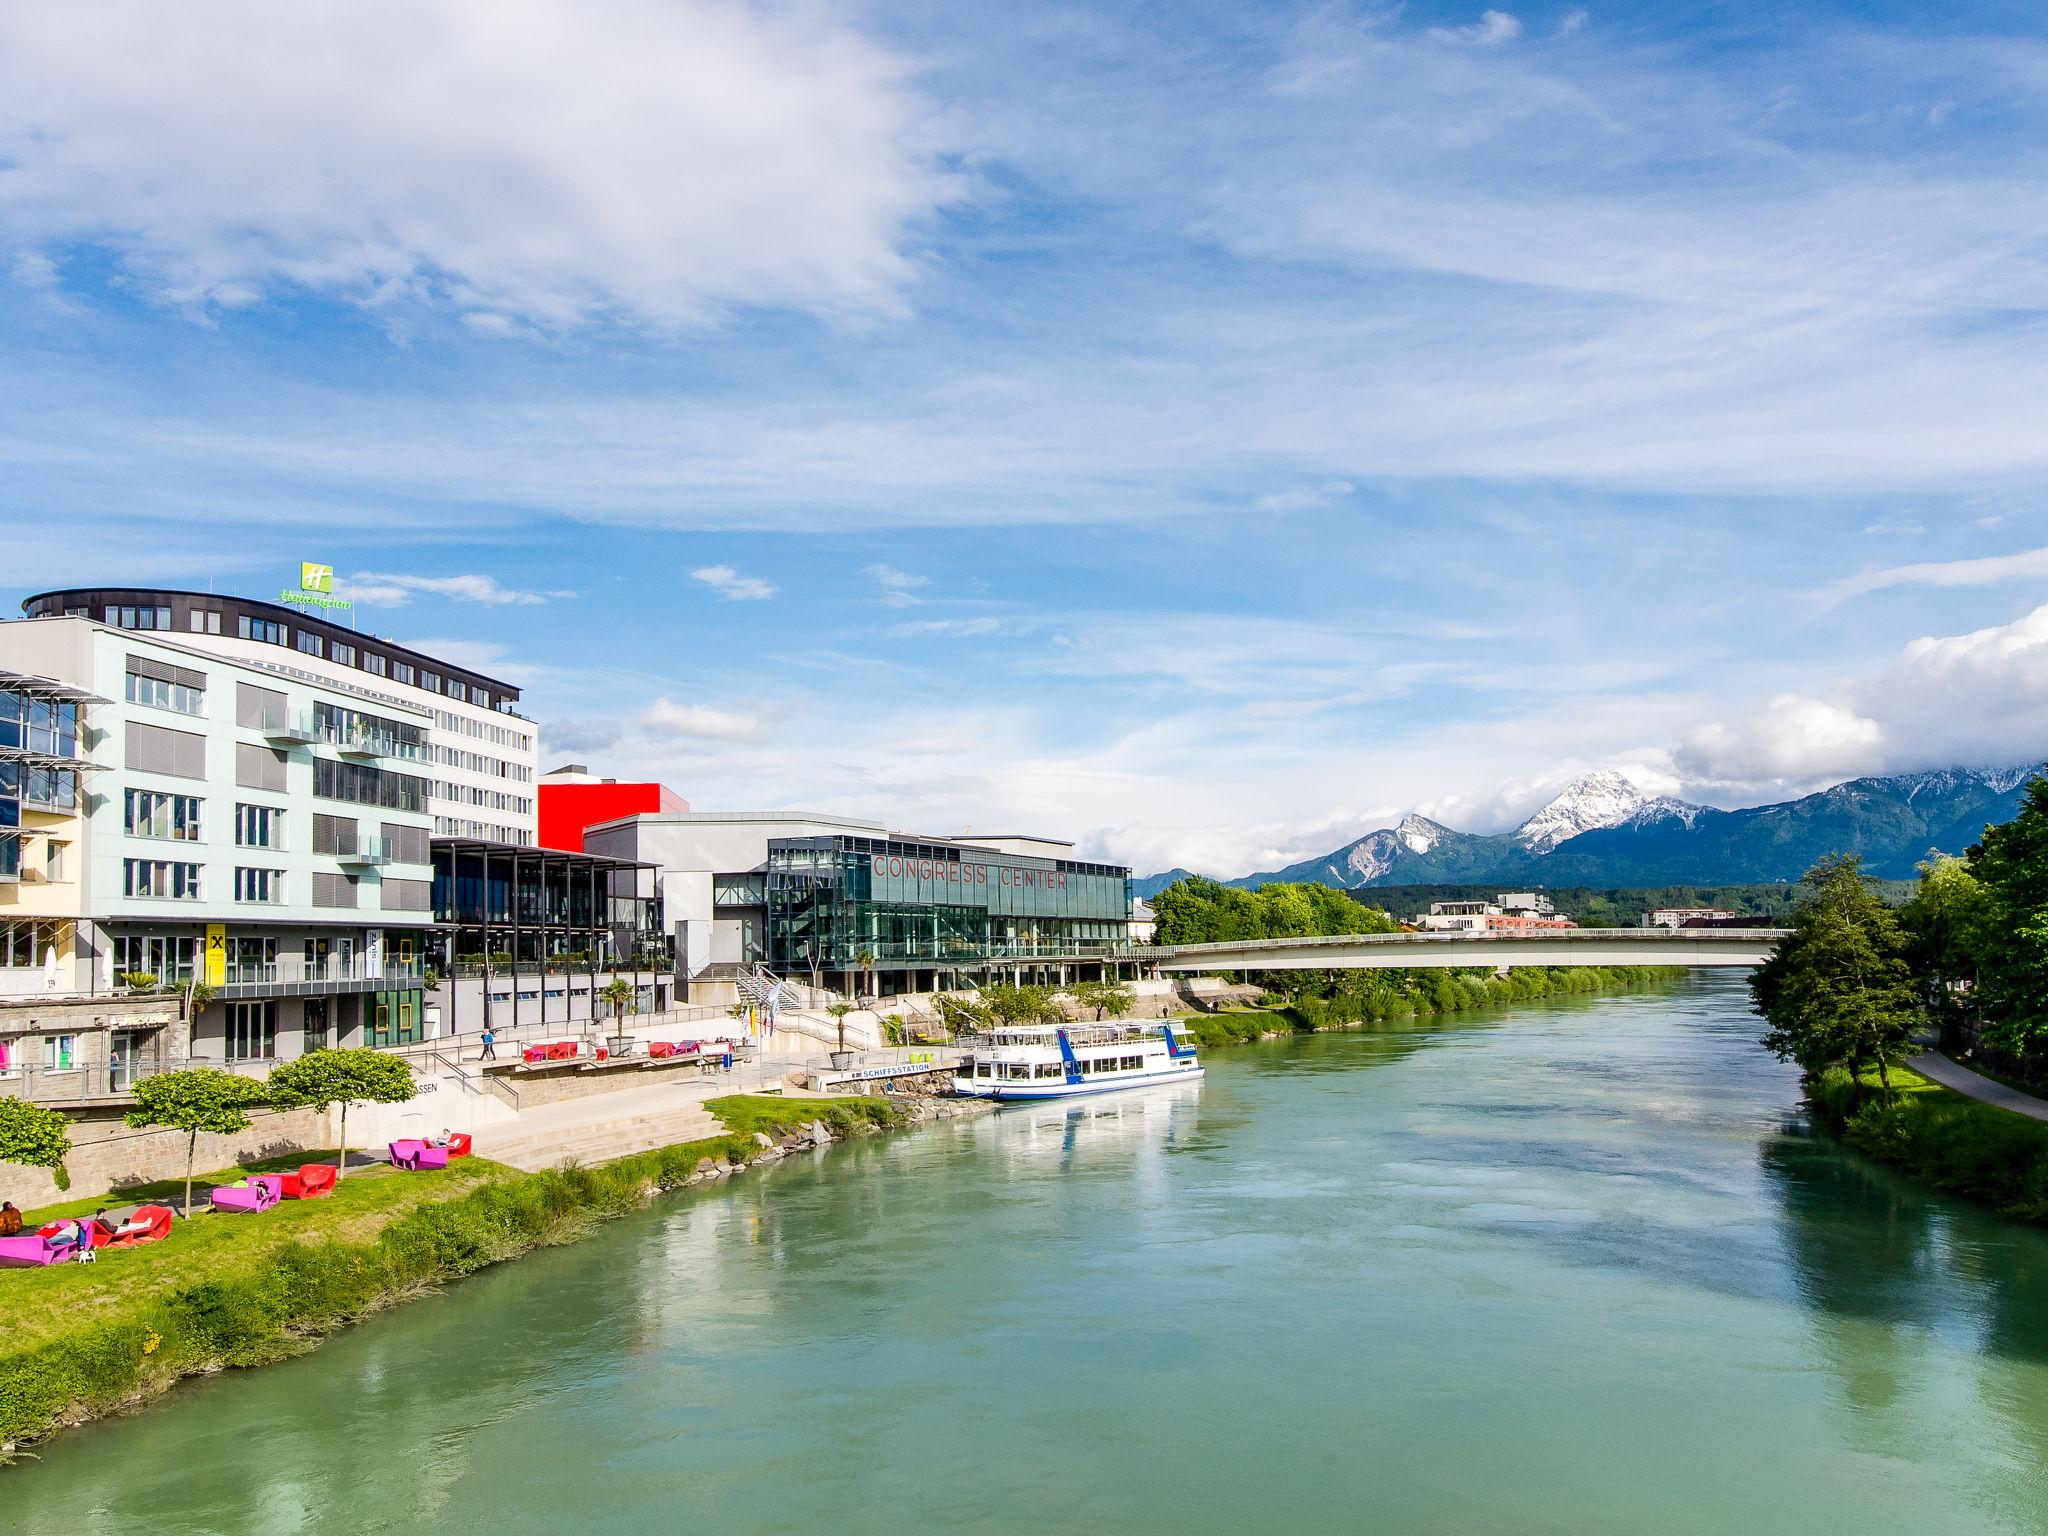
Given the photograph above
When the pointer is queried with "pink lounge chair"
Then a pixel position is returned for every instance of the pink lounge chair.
(31, 1250)
(415, 1155)
(432, 1157)
(253, 1196)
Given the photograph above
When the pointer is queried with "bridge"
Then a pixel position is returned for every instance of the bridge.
(1692, 947)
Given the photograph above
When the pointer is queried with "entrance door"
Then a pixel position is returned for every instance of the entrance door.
(124, 1051)
(317, 1025)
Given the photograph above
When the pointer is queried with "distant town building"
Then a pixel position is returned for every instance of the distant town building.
(1510, 912)
(1678, 917)
(1143, 922)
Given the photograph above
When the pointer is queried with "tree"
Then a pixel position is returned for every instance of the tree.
(1114, 1000)
(865, 959)
(2011, 865)
(618, 993)
(1838, 991)
(839, 1011)
(320, 1078)
(958, 1014)
(34, 1136)
(1951, 925)
(1011, 1004)
(194, 1100)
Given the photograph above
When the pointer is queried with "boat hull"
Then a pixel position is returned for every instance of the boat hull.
(1036, 1091)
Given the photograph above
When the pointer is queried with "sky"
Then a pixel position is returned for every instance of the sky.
(1203, 431)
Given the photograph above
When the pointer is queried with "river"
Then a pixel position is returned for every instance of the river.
(1568, 1267)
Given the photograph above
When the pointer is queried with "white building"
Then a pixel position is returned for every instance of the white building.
(259, 830)
(483, 760)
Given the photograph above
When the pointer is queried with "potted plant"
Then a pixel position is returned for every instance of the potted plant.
(842, 1058)
(618, 992)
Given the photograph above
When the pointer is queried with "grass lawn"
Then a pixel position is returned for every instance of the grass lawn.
(745, 1113)
(44, 1304)
(1956, 1143)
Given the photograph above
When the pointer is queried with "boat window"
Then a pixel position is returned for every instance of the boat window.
(1050, 1069)
(984, 1069)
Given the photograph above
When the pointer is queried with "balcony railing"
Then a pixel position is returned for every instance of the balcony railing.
(365, 852)
(293, 969)
(305, 730)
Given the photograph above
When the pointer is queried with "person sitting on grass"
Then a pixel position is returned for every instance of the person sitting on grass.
(10, 1219)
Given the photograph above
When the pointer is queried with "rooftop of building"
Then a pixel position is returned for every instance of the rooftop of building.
(54, 603)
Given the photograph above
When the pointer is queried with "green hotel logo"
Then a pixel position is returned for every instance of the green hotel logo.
(316, 588)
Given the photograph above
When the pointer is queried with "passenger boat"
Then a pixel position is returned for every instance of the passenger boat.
(1043, 1062)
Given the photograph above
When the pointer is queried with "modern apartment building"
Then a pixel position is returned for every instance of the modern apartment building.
(191, 816)
(481, 761)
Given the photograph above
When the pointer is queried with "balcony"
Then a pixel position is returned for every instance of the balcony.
(291, 730)
(296, 976)
(365, 853)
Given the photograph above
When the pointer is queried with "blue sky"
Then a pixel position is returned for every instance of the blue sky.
(1202, 430)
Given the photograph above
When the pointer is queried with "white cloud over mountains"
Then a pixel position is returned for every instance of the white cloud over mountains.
(535, 161)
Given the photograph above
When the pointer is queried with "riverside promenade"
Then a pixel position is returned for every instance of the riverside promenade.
(1937, 1068)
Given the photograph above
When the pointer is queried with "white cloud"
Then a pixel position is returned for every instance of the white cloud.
(952, 628)
(889, 576)
(1305, 498)
(1796, 740)
(731, 585)
(665, 718)
(394, 589)
(1493, 29)
(529, 160)
(2026, 564)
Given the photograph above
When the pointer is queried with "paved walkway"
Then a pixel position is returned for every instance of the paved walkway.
(605, 1125)
(1938, 1068)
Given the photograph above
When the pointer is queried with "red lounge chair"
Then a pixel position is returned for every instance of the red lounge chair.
(659, 1048)
(149, 1224)
(458, 1144)
(562, 1050)
(314, 1180)
(534, 1053)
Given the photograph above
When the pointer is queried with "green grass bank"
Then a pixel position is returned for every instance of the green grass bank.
(84, 1341)
(1976, 1151)
(1386, 995)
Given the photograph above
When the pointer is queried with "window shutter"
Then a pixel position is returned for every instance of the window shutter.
(257, 708)
(152, 749)
(259, 767)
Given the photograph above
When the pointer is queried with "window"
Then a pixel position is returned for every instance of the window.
(258, 826)
(160, 877)
(457, 692)
(431, 681)
(204, 622)
(479, 698)
(266, 630)
(261, 885)
(361, 785)
(157, 813)
(139, 618)
(312, 644)
(373, 663)
(334, 890)
(159, 693)
(401, 672)
(60, 1052)
(251, 1031)
(345, 654)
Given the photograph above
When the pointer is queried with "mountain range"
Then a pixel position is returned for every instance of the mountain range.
(1603, 831)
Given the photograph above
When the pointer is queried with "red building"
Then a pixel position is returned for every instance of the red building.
(573, 798)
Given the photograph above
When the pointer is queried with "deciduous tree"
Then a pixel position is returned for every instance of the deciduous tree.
(320, 1078)
(194, 1100)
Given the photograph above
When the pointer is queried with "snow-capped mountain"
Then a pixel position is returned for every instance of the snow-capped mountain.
(1603, 799)
(1603, 831)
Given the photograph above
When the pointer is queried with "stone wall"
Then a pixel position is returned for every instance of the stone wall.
(107, 1156)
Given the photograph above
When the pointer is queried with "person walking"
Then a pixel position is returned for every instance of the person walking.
(490, 1045)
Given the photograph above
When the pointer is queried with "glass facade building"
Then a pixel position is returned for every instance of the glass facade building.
(935, 907)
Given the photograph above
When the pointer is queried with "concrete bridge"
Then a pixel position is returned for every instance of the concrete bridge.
(1694, 947)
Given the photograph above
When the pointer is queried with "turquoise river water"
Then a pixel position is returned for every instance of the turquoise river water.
(1571, 1267)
